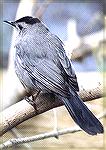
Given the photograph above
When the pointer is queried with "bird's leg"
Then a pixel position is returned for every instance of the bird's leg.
(35, 97)
(32, 101)
(55, 123)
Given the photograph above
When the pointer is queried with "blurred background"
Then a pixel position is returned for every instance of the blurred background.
(81, 26)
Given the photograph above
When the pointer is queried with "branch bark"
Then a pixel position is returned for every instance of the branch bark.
(42, 136)
(22, 110)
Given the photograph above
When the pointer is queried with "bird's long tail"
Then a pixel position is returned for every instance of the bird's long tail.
(82, 115)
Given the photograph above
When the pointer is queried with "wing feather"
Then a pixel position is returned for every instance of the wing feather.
(65, 62)
(47, 74)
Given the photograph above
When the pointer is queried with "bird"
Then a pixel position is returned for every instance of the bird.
(41, 64)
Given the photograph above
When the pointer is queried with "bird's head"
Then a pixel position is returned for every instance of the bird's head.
(23, 23)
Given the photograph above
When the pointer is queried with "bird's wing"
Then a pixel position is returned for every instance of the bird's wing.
(47, 74)
(65, 62)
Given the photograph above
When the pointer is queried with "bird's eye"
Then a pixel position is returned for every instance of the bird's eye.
(20, 27)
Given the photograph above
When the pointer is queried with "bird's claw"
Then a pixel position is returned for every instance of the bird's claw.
(31, 101)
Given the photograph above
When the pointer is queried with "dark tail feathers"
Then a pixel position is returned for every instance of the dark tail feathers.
(82, 115)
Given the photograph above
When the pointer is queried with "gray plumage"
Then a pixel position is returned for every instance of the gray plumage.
(41, 63)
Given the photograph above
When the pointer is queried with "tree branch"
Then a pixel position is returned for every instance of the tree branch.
(22, 110)
(16, 141)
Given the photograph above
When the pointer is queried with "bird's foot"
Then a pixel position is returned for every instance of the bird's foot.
(31, 101)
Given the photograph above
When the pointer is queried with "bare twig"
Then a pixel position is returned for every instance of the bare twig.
(12, 142)
(40, 11)
(81, 52)
(16, 134)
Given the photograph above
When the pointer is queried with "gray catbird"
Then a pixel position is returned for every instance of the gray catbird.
(41, 63)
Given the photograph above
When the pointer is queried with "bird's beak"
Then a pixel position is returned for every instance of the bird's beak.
(10, 23)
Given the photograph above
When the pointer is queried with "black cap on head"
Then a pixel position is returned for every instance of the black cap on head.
(28, 20)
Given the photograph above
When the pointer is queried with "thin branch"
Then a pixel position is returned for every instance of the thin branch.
(81, 52)
(40, 11)
(17, 141)
(16, 134)
(22, 110)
